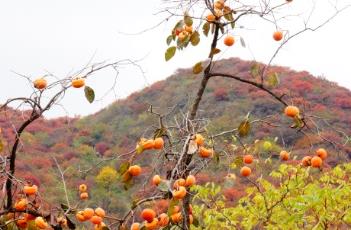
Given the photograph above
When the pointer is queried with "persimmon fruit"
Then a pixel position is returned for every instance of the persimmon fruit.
(245, 171)
(248, 159)
(134, 170)
(148, 214)
(229, 40)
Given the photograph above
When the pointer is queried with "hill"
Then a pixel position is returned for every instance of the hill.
(85, 145)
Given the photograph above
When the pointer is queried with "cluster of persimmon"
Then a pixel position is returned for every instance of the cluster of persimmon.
(219, 9)
(83, 192)
(203, 151)
(94, 216)
(180, 185)
(184, 32)
(21, 206)
(245, 171)
(151, 221)
(317, 160)
(146, 144)
(41, 83)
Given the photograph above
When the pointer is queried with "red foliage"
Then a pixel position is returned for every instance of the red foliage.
(221, 94)
(232, 194)
(101, 147)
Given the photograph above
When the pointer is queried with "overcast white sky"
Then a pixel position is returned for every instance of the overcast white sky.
(62, 35)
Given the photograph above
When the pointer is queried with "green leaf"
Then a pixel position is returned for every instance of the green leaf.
(238, 162)
(139, 148)
(298, 123)
(255, 69)
(221, 28)
(169, 39)
(228, 16)
(196, 222)
(188, 20)
(244, 128)
(215, 51)
(170, 52)
(206, 28)
(123, 168)
(195, 38)
(89, 94)
(273, 79)
(197, 68)
(171, 206)
(163, 186)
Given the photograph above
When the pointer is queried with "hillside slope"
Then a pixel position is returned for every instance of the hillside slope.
(79, 144)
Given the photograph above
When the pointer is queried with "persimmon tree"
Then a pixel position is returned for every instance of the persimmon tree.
(184, 145)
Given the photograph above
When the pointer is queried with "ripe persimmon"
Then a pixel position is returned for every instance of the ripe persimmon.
(205, 153)
(80, 216)
(22, 223)
(199, 139)
(147, 144)
(188, 29)
(176, 217)
(83, 188)
(78, 82)
(316, 162)
(156, 180)
(322, 153)
(96, 219)
(190, 181)
(159, 143)
(190, 209)
(88, 213)
(62, 221)
(100, 212)
(245, 171)
(148, 214)
(278, 35)
(151, 225)
(291, 111)
(182, 35)
(284, 155)
(30, 190)
(163, 220)
(219, 4)
(40, 83)
(84, 196)
(179, 193)
(179, 182)
(306, 161)
(21, 205)
(134, 170)
(191, 219)
(218, 13)
(229, 40)
(135, 226)
(40, 223)
(211, 18)
(28, 216)
(248, 159)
